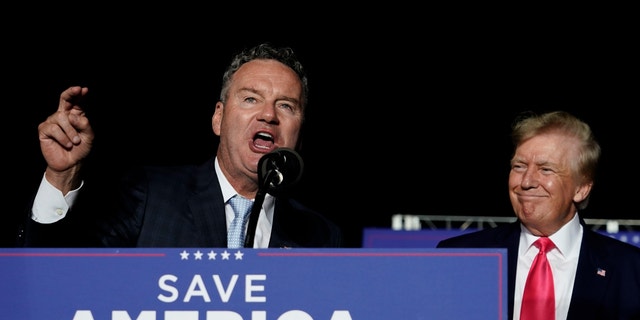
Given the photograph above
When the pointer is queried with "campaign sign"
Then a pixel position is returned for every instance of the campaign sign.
(389, 238)
(256, 284)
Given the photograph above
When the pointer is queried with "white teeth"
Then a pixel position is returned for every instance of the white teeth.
(265, 135)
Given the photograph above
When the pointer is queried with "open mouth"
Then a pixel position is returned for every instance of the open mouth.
(263, 140)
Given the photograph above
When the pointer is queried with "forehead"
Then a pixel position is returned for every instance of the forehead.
(548, 146)
(267, 74)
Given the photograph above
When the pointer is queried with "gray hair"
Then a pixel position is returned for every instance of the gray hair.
(285, 55)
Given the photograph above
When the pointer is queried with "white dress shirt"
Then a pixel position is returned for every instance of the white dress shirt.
(563, 260)
(50, 205)
(263, 228)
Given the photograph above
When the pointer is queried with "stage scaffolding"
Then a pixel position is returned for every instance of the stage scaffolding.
(441, 222)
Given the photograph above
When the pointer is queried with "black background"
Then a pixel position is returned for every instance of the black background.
(410, 110)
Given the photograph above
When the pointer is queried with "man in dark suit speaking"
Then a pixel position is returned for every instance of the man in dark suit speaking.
(552, 174)
(261, 109)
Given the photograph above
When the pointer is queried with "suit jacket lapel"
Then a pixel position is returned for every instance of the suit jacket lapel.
(280, 237)
(511, 237)
(590, 284)
(207, 206)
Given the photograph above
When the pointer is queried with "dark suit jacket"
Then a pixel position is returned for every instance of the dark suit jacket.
(616, 295)
(179, 206)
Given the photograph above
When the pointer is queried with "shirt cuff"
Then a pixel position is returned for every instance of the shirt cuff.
(50, 205)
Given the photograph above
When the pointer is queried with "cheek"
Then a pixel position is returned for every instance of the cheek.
(549, 184)
(514, 180)
(293, 137)
(295, 127)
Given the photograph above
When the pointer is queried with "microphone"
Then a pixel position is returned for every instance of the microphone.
(279, 168)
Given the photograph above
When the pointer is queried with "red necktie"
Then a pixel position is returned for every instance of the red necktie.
(538, 301)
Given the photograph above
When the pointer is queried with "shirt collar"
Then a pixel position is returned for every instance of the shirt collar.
(564, 238)
(227, 190)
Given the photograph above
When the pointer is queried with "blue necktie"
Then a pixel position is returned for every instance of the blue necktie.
(241, 207)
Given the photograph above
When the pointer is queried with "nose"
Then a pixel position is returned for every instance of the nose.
(529, 179)
(268, 113)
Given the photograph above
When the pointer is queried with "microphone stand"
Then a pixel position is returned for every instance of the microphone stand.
(256, 208)
(271, 168)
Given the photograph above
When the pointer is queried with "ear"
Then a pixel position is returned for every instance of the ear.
(216, 119)
(582, 192)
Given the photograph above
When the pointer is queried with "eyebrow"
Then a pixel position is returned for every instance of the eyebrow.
(279, 98)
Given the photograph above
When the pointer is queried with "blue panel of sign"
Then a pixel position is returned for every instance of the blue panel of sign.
(257, 284)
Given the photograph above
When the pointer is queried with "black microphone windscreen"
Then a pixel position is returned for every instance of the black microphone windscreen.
(280, 168)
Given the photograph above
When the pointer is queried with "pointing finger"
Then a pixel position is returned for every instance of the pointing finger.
(71, 98)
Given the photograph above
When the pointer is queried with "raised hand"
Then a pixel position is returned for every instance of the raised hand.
(66, 138)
